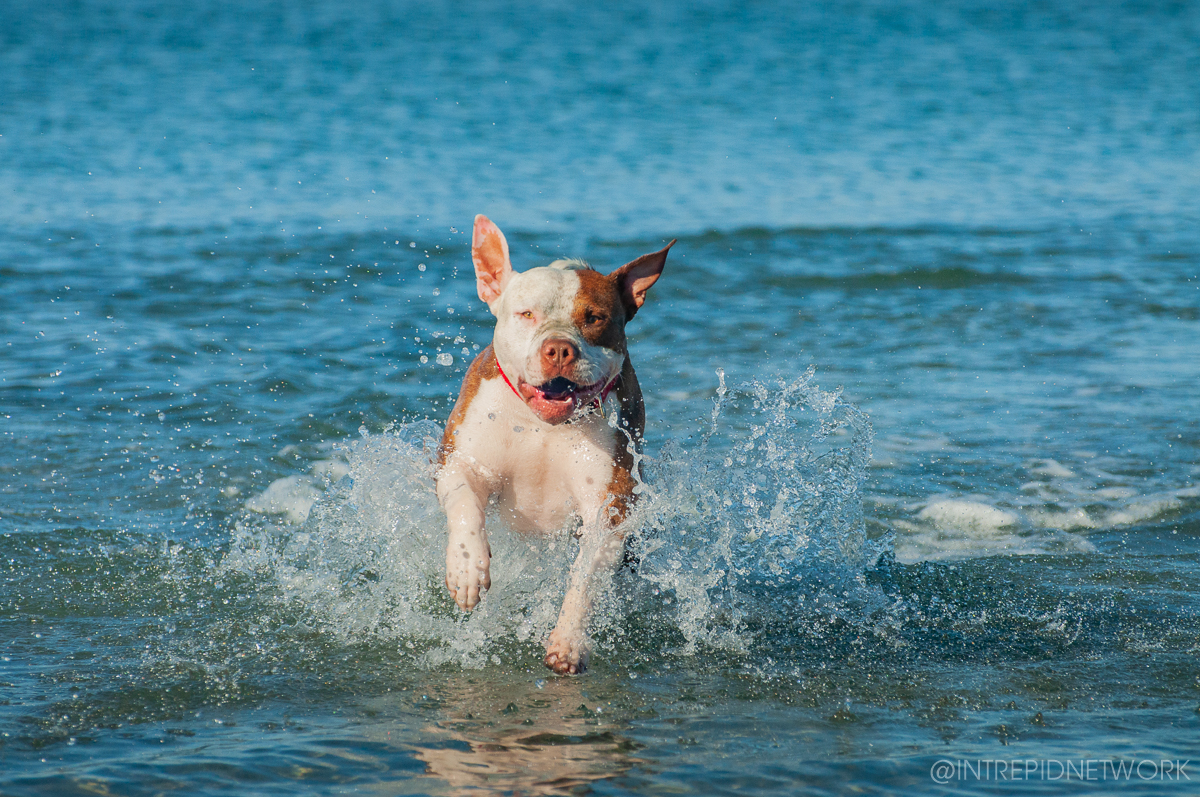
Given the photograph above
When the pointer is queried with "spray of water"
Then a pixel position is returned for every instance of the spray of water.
(763, 517)
(759, 519)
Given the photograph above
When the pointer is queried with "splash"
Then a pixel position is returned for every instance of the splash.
(765, 516)
(368, 562)
(763, 509)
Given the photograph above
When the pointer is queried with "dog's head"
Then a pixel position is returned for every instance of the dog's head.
(560, 329)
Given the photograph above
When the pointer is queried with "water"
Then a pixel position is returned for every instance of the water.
(921, 461)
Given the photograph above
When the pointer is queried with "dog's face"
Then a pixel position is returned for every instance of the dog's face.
(560, 329)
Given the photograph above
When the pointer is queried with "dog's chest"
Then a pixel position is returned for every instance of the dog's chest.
(541, 474)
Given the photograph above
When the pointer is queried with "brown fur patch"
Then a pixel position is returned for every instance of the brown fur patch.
(600, 316)
(608, 302)
(598, 312)
(621, 486)
(484, 367)
(629, 396)
(631, 421)
(633, 279)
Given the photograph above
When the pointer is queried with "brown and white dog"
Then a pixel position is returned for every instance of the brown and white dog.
(530, 429)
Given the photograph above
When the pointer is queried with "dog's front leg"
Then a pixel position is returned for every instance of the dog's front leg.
(468, 555)
(600, 551)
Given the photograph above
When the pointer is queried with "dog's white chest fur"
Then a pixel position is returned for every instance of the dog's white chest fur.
(540, 474)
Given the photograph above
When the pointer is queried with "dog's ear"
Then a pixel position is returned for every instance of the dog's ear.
(489, 253)
(635, 278)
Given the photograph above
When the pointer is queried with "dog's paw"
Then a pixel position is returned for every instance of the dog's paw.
(467, 577)
(566, 654)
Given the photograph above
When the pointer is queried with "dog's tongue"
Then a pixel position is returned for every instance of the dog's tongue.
(553, 402)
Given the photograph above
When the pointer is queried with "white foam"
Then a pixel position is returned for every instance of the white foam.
(1145, 509)
(1070, 519)
(1113, 493)
(1052, 468)
(1046, 516)
(292, 496)
(332, 470)
(966, 515)
(948, 529)
(925, 544)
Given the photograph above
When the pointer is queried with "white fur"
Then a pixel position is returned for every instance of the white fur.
(540, 474)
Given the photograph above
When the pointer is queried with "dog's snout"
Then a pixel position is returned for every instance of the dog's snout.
(559, 354)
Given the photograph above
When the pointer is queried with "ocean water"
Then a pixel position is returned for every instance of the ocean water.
(922, 466)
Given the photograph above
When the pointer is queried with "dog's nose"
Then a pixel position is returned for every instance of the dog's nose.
(559, 353)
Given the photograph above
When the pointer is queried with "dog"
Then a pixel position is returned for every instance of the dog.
(530, 430)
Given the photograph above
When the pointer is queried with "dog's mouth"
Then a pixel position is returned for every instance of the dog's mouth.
(559, 389)
(557, 400)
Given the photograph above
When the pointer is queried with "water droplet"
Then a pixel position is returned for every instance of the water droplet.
(445, 359)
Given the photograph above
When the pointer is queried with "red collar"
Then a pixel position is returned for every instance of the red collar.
(595, 402)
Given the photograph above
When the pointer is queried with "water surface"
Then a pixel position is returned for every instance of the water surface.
(921, 458)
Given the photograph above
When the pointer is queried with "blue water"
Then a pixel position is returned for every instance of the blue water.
(921, 380)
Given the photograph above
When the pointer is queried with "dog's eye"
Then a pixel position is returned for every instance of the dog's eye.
(592, 318)
(526, 314)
